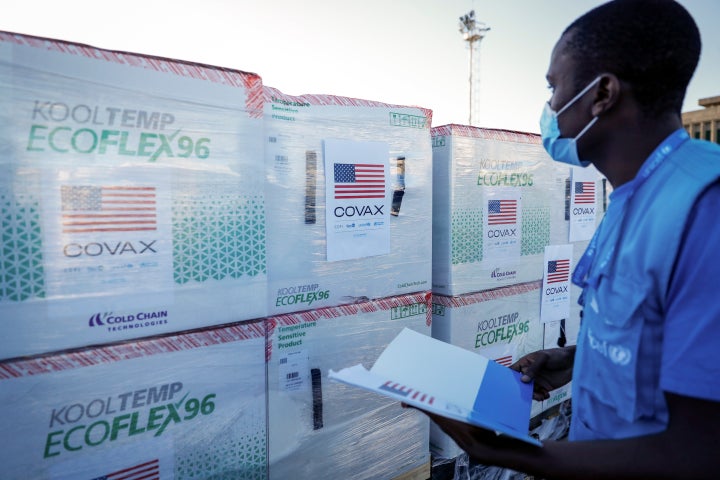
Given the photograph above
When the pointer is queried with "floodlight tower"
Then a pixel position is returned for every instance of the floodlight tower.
(473, 31)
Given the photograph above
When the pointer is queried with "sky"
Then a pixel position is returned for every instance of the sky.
(405, 52)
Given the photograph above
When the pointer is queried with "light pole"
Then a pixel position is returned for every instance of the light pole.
(473, 31)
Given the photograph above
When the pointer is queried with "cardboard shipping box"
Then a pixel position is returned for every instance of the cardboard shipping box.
(349, 196)
(503, 325)
(498, 201)
(131, 196)
(320, 428)
(179, 407)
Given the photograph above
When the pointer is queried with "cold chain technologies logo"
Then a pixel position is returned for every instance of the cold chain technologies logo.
(501, 275)
(110, 130)
(147, 411)
(119, 323)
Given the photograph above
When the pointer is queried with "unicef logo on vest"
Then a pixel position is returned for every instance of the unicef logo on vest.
(617, 354)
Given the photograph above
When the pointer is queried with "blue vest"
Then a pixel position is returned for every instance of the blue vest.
(615, 386)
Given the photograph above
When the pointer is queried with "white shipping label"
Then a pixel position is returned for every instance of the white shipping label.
(108, 230)
(555, 303)
(357, 198)
(293, 372)
(502, 223)
(583, 201)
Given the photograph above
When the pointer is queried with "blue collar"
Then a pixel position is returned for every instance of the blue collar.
(619, 199)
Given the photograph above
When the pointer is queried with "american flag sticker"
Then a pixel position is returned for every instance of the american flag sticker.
(558, 271)
(144, 471)
(359, 180)
(506, 360)
(407, 392)
(107, 208)
(584, 192)
(502, 212)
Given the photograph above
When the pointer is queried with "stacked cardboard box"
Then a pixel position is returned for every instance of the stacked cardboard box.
(477, 170)
(318, 426)
(324, 250)
(132, 210)
(498, 202)
(190, 405)
(133, 197)
(346, 273)
(131, 200)
(159, 216)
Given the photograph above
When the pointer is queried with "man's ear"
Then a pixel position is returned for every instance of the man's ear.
(607, 94)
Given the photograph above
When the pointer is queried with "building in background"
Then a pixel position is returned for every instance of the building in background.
(704, 124)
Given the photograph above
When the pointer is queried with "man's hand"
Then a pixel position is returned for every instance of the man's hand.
(549, 369)
(482, 445)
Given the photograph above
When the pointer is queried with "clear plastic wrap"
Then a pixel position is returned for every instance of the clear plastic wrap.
(552, 427)
(183, 406)
(501, 324)
(323, 429)
(474, 171)
(299, 196)
(131, 199)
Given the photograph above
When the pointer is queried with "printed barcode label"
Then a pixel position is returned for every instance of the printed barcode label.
(294, 372)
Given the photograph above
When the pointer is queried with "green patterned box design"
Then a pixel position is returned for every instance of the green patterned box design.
(467, 233)
(218, 237)
(21, 270)
(214, 237)
(242, 458)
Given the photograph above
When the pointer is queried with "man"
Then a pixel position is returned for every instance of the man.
(646, 395)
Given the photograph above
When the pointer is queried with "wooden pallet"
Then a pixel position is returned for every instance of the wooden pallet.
(423, 472)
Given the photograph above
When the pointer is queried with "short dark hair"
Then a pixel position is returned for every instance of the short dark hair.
(654, 45)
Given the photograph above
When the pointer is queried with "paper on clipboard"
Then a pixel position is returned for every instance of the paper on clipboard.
(447, 380)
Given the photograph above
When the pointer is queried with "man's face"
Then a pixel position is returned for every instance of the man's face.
(561, 80)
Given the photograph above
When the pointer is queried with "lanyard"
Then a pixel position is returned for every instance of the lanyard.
(618, 203)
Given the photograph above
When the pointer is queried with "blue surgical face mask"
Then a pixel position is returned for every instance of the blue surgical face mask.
(563, 149)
